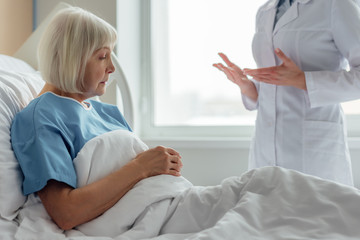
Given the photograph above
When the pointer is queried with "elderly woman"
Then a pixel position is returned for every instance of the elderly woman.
(75, 61)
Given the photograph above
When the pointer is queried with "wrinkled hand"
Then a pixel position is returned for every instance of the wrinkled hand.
(160, 160)
(286, 74)
(236, 75)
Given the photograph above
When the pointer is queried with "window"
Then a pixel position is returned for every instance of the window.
(352, 111)
(184, 94)
(190, 96)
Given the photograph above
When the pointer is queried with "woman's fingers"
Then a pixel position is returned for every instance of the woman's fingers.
(173, 162)
(172, 151)
(175, 165)
(160, 160)
(174, 173)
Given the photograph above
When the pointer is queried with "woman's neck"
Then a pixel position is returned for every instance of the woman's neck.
(51, 88)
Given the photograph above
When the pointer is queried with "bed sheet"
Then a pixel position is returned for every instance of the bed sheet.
(265, 203)
(8, 229)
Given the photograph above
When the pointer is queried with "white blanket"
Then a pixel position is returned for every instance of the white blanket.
(266, 203)
(102, 155)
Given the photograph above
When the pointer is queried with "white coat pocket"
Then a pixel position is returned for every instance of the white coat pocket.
(324, 151)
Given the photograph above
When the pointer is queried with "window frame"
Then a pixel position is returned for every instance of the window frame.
(147, 110)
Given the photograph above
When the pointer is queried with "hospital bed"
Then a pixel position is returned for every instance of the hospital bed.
(266, 203)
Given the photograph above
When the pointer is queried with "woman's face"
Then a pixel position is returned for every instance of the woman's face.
(97, 71)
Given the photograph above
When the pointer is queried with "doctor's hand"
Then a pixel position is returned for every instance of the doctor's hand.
(236, 75)
(286, 74)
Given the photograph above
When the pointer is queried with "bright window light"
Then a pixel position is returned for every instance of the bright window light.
(188, 90)
(186, 36)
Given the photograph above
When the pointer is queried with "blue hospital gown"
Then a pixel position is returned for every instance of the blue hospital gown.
(47, 135)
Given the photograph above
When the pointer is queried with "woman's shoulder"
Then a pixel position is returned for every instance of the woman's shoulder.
(24, 123)
(47, 106)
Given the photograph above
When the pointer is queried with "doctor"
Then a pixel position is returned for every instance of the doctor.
(302, 49)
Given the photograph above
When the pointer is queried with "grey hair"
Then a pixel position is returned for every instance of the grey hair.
(70, 39)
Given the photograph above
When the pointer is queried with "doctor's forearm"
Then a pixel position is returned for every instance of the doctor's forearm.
(249, 90)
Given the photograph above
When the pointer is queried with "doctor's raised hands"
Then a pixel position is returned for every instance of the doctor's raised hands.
(236, 75)
(286, 74)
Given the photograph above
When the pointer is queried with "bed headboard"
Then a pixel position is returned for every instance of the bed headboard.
(28, 53)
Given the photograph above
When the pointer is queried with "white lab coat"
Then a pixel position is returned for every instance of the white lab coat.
(305, 130)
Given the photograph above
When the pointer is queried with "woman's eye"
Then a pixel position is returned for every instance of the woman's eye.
(103, 57)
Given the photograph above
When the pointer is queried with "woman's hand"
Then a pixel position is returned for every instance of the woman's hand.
(286, 74)
(160, 160)
(236, 75)
(70, 207)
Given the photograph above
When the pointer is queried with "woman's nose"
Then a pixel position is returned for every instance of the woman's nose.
(111, 67)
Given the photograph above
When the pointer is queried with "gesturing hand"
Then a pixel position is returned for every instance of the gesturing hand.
(232, 72)
(286, 74)
(236, 75)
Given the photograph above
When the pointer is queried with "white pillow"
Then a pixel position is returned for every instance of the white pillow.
(16, 91)
(9, 63)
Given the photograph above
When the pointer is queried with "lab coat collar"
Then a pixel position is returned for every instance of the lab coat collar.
(302, 1)
(273, 4)
(270, 5)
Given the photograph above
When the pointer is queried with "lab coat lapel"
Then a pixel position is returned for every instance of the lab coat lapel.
(290, 15)
(270, 22)
(269, 12)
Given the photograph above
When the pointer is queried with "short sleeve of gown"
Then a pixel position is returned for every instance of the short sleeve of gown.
(43, 154)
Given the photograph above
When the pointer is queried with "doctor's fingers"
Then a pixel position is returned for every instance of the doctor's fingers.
(234, 67)
(263, 71)
(223, 69)
(281, 80)
(226, 59)
(237, 78)
(269, 80)
(229, 63)
(282, 56)
(221, 66)
(233, 74)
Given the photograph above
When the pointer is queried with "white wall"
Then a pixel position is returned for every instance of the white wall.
(16, 23)
(207, 161)
(105, 9)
